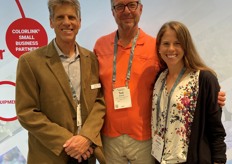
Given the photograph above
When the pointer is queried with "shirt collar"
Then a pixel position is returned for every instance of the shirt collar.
(140, 40)
(61, 54)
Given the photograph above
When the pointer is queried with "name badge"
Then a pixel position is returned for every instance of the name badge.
(96, 86)
(79, 120)
(122, 98)
(157, 147)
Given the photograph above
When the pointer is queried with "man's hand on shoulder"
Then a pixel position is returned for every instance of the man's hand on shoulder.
(221, 98)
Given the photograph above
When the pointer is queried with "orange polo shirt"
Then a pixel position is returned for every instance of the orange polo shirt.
(136, 120)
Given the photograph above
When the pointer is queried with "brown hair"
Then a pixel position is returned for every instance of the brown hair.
(53, 3)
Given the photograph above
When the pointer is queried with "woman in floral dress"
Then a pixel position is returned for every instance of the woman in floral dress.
(186, 118)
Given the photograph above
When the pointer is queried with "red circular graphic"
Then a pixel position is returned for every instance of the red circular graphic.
(25, 35)
(13, 84)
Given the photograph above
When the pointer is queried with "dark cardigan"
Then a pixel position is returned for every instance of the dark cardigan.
(207, 133)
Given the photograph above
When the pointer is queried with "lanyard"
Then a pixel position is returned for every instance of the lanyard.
(74, 94)
(78, 109)
(169, 96)
(130, 59)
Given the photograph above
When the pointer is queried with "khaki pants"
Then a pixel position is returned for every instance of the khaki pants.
(124, 150)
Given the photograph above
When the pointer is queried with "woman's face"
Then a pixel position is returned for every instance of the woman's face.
(170, 49)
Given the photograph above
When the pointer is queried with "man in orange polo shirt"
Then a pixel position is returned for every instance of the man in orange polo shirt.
(128, 87)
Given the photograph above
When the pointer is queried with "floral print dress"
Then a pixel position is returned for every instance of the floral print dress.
(174, 124)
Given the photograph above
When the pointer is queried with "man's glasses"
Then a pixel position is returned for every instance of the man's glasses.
(132, 6)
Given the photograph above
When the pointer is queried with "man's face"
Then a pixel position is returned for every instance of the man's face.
(66, 24)
(129, 17)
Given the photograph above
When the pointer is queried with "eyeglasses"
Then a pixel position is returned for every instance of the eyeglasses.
(132, 6)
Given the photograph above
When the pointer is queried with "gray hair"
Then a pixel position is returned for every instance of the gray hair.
(53, 3)
(112, 3)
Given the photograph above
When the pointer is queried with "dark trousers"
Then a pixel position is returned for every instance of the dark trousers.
(75, 161)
